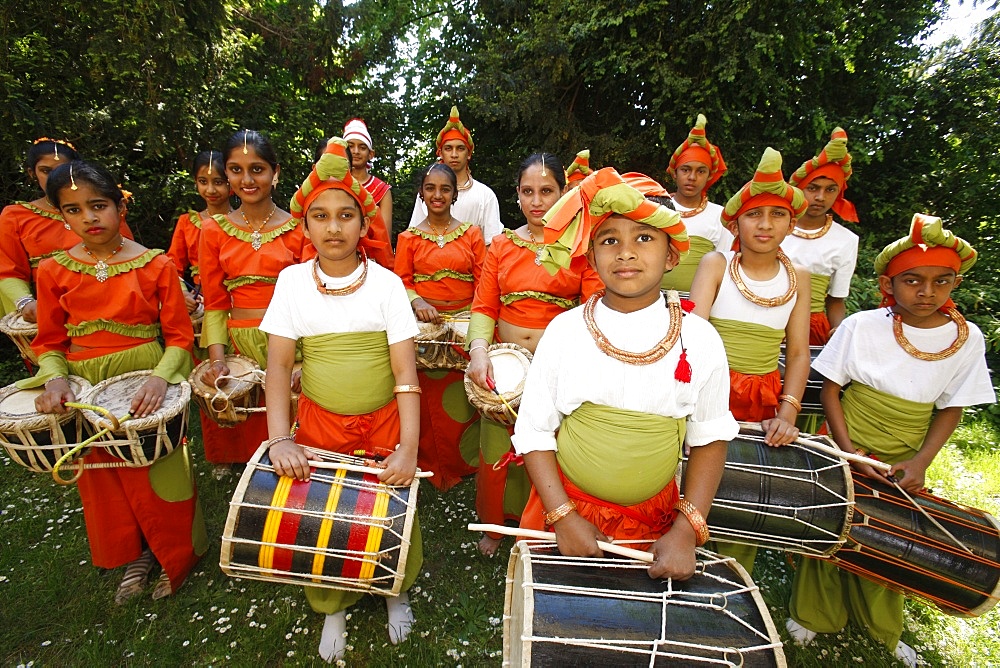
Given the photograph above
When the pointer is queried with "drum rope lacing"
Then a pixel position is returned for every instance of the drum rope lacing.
(256, 376)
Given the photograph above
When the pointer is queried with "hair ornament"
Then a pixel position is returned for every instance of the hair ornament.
(246, 133)
(72, 181)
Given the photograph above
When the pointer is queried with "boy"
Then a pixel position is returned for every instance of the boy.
(359, 376)
(695, 166)
(603, 423)
(359, 146)
(825, 247)
(475, 203)
(909, 367)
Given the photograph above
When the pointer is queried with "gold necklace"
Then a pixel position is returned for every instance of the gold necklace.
(539, 247)
(769, 302)
(818, 233)
(465, 186)
(347, 289)
(101, 268)
(695, 211)
(913, 351)
(440, 235)
(256, 238)
(654, 354)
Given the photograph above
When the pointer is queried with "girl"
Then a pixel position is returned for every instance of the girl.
(31, 231)
(440, 261)
(359, 144)
(239, 257)
(514, 302)
(756, 298)
(355, 325)
(134, 516)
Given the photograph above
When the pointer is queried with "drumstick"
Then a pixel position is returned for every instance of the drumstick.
(493, 386)
(358, 468)
(621, 550)
(76, 449)
(849, 456)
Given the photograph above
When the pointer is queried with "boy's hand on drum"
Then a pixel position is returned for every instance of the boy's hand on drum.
(867, 470)
(57, 393)
(297, 381)
(913, 475)
(216, 369)
(149, 398)
(576, 537)
(778, 431)
(425, 312)
(674, 553)
(480, 368)
(291, 460)
(400, 467)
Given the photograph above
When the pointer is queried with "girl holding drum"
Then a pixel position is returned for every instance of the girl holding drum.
(134, 516)
(440, 261)
(240, 256)
(32, 231)
(355, 325)
(514, 302)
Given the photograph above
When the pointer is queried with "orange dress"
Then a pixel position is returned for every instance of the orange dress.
(377, 242)
(445, 270)
(184, 244)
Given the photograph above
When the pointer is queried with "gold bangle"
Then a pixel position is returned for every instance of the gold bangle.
(277, 439)
(400, 389)
(791, 401)
(557, 514)
(697, 521)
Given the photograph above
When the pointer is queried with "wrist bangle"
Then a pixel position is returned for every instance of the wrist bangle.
(479, 347)
(557, 514)
(401, 389)
(277, 439)
(54, 378)
(696, 520)
(22, 302)
(791, 401)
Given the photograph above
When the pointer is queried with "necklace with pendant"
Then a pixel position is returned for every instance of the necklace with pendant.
(101, 268)
(440, 235)
(256, 238)
(540, 249)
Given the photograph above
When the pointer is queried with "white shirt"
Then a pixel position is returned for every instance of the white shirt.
(864, 349)
(707, 225)
(297, 308)
(477, 205)
(730, 304)
(569, 369)
(834, 254)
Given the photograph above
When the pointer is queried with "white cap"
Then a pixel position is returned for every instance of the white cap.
(356, 129)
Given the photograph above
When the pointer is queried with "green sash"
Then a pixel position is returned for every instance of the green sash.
(751, 348)
(883, 424)
(818, 284)
(173, 365)
(347, 374)
(618, 455)
(681, 276)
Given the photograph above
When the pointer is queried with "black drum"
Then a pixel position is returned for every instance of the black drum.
(896, 545)
(795, 498)
(811, 404)
(582, 611)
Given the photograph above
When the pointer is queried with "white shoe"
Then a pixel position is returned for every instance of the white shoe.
(906, 654)
(333, 642)
(800, 634)
(400, 617)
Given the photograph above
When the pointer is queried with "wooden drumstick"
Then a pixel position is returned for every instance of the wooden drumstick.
(620, 550)
(849, 456)
(358, 468)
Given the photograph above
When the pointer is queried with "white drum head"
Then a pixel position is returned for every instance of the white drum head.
(509, 369)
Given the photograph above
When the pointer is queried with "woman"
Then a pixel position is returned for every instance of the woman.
(515, 299)
(239, 257)
(440, 261)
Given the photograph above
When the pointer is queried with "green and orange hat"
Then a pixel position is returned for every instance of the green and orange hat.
(833, 162)
(579, 169)
(767, 188)
(572, 221)
(697, 148)
(454, 129)
(332, 170)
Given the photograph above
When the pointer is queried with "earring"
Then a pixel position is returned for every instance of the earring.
(274, 181)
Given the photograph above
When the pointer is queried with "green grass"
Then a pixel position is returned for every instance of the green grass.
(56, 609)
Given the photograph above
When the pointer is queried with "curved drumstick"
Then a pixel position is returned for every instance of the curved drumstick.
(493, 386)
(621, 550)
(114, 423)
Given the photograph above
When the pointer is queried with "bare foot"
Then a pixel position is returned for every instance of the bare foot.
(488, 546)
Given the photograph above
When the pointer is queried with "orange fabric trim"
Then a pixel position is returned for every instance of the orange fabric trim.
(819, 329)
(763, 199)
(753, 398)
(453, 134)
(319, 428)
(695, 154)
(923, 256)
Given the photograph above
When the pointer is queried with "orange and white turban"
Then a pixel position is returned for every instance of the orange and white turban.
(333, 170)
(767, 188)
(697, 148)
(454, 129)
(572, 221)
(579, 169)
(833, 162)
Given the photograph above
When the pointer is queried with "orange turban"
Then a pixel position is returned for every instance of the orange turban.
(696, 148)
(454, 129)
(833, 162)
(767, 188)
(579, 169)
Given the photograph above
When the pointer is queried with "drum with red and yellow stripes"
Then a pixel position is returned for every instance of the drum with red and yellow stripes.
(343, 529)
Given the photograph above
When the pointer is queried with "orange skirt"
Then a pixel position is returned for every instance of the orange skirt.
(753, 398)
(377, 431)
(819, 329)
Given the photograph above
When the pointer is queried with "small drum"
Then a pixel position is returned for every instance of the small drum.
(37, 440)
(794, 498)
(138, 441)
(811, 403)
(583, 611)
(510, 368)
(22, 333)
(232, 403)
(431, 344)
(896, 545)
(197, 318)
(341, 530)
(455, 356)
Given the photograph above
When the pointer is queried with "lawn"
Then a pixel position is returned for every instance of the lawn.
(59, 610)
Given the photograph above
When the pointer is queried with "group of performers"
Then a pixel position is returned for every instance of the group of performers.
(622, 382)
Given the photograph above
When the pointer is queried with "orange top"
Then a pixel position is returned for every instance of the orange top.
(377, 243)
(73, 307)
(29, 234)
(517, 290)
(184, 244)
(234, 275)
(444, 273)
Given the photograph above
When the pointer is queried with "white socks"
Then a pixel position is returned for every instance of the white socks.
(333, 642)
(906, 654)
(800, 634)
(400, 617)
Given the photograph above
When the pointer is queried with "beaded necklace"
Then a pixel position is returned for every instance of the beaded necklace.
(802, 234)
(654, 354)
(354, 286)
(913, 351)
(769, 302)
